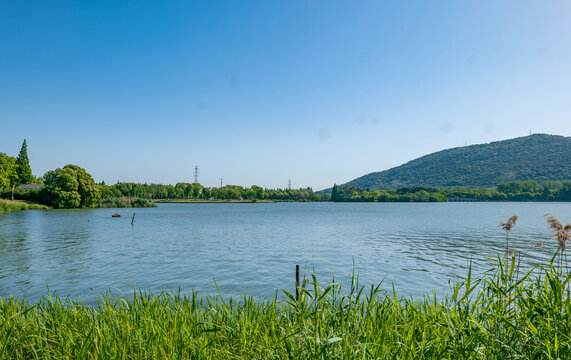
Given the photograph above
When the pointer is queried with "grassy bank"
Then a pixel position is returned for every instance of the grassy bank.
(498, 316)
(7, 206)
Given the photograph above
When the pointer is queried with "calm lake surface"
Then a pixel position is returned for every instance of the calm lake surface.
(253, 248)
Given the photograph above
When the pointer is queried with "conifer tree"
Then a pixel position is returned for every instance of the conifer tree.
(335, 193)
(23, 166)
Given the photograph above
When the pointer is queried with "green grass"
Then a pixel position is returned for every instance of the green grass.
(496, 316)
(7, 206)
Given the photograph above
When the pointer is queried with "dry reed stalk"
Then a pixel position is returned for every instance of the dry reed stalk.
(511, 252)
(560, 233)
(508, 225)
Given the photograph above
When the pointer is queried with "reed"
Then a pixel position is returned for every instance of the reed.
(507, 225)
(498, 315)
(477, 319)
(561, 234)
(7, 206)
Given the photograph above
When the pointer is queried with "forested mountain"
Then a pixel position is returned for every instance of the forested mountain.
(538, 157)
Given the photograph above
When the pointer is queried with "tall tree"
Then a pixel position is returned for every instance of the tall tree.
(8, 175)
(335, 193)
(23, 166)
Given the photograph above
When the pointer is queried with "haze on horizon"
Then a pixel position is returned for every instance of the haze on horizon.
(256, 92)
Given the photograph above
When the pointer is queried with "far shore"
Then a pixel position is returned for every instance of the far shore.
(214, 201)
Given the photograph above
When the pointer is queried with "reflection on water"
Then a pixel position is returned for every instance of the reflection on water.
(69, 245)
(254, 248)
(15, 250)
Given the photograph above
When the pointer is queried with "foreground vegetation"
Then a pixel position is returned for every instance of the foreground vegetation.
(7, 206)
(497, 316)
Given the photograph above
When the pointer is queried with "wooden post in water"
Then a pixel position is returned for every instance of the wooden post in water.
(297, 282)
(133, 220)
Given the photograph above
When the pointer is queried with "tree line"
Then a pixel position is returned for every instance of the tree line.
(505, 191)
(198, 191)
(348, 193)
(73, 187)
(517, 191)
(67, 187)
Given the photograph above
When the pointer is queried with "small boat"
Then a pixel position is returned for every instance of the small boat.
(116, 215)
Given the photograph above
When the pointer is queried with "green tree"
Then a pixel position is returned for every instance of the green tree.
(335, 193)
(8, 174)
(108, 191)
(61, 190)
(23, 166)
(70, 187)
(250, 194)
(259, 191)
(196, 189)
(422, 196)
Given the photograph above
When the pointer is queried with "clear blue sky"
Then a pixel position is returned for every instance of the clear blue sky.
(259, 92)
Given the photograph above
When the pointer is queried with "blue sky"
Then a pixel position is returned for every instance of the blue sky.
(259, 92)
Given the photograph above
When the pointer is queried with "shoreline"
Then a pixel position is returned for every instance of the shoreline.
(202, 201)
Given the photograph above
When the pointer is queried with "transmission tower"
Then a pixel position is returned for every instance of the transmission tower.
(289, 184)
(196, 174)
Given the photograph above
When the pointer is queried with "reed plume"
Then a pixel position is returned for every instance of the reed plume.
(511, 252)
(560, 233)
(508, 225)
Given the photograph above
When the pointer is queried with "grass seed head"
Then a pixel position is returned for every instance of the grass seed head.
(508, 224)
(558, 231)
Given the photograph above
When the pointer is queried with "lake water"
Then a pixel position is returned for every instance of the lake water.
(253, 248)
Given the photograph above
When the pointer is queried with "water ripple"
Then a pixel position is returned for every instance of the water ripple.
(254, 248)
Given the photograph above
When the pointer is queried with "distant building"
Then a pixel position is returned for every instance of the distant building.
(30, 186)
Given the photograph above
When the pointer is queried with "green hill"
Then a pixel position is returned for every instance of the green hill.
(536, 157)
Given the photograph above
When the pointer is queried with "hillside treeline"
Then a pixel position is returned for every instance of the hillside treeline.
(537, 157)
(348, 193)
(505, 191)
